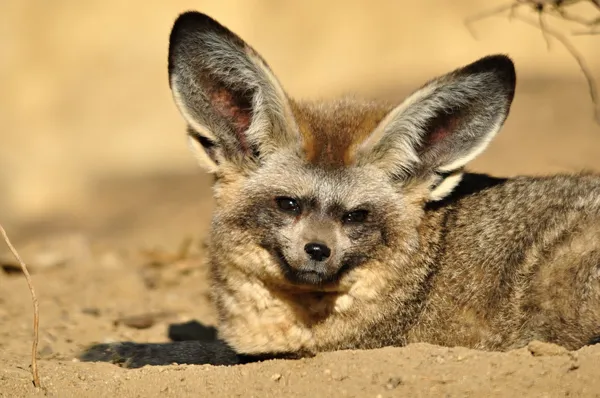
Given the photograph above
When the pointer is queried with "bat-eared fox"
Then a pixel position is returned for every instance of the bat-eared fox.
(352, 224)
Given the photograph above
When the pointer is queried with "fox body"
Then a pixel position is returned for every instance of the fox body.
(352, 224)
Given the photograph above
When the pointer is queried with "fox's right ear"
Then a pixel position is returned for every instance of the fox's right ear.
(445, 124)
(236, 110)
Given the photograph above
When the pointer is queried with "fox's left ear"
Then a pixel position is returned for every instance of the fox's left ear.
(236, 109)
(445, 124)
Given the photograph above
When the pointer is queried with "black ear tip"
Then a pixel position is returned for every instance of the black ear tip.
(186, 30)
(501, 65)
(190, 22)
(194, 20)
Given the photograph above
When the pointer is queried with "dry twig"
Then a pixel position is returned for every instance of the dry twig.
(555, 8)
(36, 314)
(587, 73)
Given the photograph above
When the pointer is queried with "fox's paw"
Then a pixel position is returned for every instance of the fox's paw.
(124, 354)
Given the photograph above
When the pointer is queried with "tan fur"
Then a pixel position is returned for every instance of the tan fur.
(332, 141)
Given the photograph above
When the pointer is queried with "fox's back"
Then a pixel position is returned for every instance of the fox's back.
(518, 259)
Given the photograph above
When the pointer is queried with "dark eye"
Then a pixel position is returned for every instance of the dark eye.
(288, 205)
(355, 216)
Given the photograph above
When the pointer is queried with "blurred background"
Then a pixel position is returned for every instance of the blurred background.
(90, 138)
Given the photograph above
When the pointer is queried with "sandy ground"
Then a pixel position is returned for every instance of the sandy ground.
(126, 256)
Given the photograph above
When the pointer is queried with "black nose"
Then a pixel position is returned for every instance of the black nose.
(317, 251)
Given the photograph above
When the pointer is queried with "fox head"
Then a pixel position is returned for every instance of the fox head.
(311, 195)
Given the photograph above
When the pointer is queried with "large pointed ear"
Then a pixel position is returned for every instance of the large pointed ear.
(444, 124)
(236, 110)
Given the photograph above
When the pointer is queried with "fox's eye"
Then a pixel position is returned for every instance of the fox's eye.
(355, 216)
(288, 205)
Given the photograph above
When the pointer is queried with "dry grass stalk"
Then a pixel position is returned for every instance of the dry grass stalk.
(556, 8)
(36, 313)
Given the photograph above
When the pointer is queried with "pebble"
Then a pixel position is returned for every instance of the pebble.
(142, 321)
(393, 382)
(46, 351)
(91, 311)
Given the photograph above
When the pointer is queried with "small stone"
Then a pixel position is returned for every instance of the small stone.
(393, 382)
(46, 351)
(91, 311)
(11, 268)
(142, 321)
(276, 377)
(327, 372)
(137, 321)
(574, 364)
